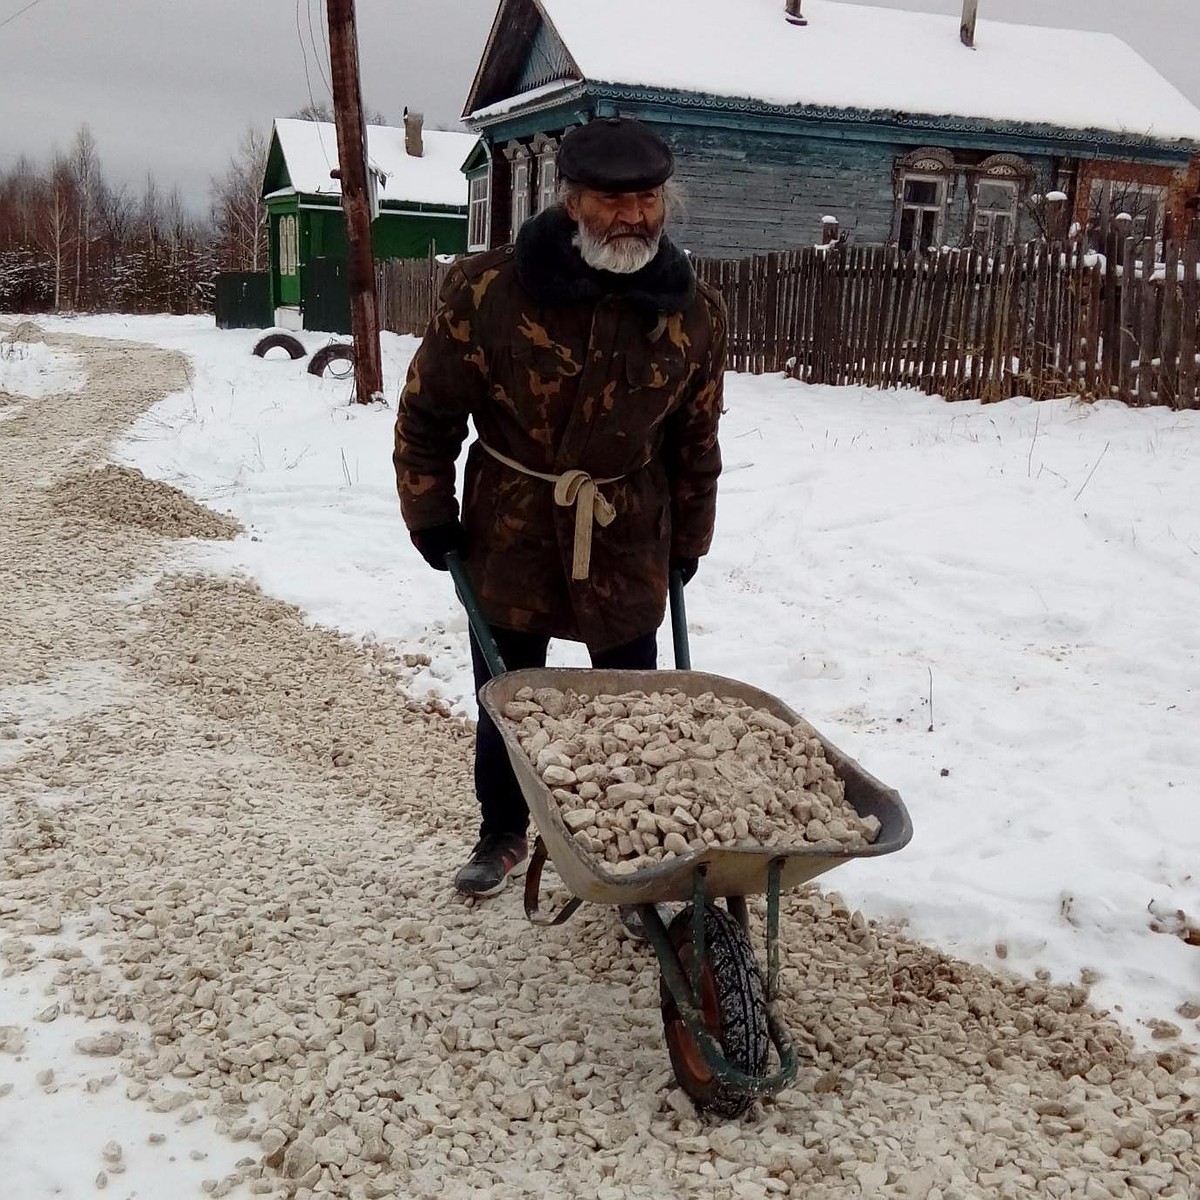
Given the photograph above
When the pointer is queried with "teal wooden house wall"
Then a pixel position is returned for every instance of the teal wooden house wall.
(759, 182)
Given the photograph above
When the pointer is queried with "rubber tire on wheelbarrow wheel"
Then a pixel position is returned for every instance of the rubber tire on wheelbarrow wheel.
(335, 352)
(735, 1011)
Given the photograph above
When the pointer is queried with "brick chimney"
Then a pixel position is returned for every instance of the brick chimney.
(969, 17)
(414, 126)
(793, 14)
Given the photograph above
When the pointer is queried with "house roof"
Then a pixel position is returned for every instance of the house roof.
(854, 57)
(310, 152)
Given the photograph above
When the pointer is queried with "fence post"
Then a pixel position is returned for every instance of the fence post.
(1189, 318)
(1056, 216)
(1125, 344)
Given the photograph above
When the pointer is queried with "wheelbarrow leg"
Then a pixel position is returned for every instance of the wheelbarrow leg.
(533, 890)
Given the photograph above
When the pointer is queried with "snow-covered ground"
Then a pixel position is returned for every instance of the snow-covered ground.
(33, 370)
(993, 608)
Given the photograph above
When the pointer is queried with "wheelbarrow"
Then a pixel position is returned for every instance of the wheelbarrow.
(719, 1016)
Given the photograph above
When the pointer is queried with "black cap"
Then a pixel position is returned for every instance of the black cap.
(615, 154)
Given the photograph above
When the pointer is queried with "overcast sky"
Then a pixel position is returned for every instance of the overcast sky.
(168, 86)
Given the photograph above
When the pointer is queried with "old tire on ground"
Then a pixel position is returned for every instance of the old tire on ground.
(280, 341)
(334, 352)
(734, 1007)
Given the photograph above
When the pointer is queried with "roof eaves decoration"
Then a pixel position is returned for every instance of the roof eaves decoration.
(1103, 139)
(517, 26)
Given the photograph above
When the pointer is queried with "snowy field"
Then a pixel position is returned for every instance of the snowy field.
(993, 608)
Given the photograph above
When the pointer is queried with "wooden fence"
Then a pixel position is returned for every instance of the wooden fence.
(408, 292)
(1041, 320)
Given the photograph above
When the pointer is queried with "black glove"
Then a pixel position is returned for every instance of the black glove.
(687, 567)
(437, 541)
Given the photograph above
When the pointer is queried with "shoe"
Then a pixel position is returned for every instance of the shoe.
(495, 857)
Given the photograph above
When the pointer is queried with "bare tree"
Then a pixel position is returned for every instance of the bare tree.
(238, 213)
(85, 167)
(58, 222)
(323, 112)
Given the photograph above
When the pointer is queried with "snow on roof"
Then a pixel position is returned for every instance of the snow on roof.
(310, 153)
(852, 56)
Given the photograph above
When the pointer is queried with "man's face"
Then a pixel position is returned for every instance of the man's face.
(618, 231)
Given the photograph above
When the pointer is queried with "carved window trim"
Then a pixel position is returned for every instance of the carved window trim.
(929, 160)
(520, 159)
(545, 179)
(289, 245)
(1007, 166)
(915, 219)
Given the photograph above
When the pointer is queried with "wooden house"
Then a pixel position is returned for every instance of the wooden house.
(908, 128)
(420, 197)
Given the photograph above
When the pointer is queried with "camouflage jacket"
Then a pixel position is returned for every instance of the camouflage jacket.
(559, 373)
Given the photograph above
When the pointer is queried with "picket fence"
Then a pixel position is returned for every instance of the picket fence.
(1040, 320)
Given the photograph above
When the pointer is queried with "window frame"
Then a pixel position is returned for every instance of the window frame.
(546, 184)
(942, 183)
(479, 205)
(984, 218)
(522, 190)
(289, 249)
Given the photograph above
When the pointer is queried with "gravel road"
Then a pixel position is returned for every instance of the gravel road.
(248, 828)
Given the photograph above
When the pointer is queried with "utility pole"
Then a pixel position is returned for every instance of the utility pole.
(356, 201)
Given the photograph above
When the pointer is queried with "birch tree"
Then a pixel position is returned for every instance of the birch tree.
(239, 216)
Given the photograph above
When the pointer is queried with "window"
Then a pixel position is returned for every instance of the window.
(477, 222)
(521, 192)
(289, 249)
(547, 181)
(922, 210)
(995, 214)
(1146, 203)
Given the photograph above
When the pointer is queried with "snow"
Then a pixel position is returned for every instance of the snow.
(1033, 570)
(876, 60)
(310, 153)
(53, 1141)
(534, 94)
(33, 370)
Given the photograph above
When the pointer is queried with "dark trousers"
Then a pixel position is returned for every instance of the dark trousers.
(500, 800)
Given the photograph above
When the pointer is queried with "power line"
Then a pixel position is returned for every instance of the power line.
(308, 80)
(304, 54)
(317, 56)
(9, 20)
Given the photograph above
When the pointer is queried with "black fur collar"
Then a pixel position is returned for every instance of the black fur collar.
(551, 270)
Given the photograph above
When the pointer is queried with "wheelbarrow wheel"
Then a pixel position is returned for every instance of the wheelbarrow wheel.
(734, 1008)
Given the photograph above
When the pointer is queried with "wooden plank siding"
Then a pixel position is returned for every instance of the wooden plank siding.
(1047, 319)
(750, 192)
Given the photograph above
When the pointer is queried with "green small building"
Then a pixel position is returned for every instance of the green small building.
(420, 198)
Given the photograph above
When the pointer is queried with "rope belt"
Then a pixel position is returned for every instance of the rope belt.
(578, 490)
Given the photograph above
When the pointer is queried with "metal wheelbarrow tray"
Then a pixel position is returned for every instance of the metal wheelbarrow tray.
(734, 871)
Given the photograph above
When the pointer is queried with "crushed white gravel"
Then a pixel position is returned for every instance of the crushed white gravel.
(233, 848)
(643, 778)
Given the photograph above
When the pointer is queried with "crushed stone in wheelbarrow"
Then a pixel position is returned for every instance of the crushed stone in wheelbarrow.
(641, 778)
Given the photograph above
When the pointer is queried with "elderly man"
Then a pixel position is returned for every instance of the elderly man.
(590, 361)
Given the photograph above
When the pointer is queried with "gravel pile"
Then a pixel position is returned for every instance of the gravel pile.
(644, 778)
(126, 497)
(236, 857)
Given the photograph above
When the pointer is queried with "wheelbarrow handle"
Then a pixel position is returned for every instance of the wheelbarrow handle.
(478, 622)
(487, 643)
(683, 651)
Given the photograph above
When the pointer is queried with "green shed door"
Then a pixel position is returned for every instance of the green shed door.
(288, 233)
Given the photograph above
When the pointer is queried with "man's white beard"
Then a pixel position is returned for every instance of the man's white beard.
(622, 256)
